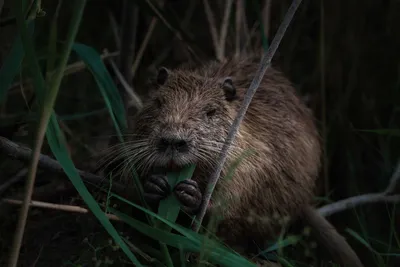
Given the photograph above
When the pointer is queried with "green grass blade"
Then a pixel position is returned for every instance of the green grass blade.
(56, 139)
(218, 255)
(105, 83)
(290, 240)
(209, 244)
(360, 239)
(169, 207)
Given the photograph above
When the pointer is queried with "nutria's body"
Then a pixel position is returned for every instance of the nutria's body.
(186, 120)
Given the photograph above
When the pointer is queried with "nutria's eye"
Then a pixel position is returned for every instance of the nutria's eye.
(211, 112)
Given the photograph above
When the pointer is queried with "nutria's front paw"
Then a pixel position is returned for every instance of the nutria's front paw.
(189, 194)
(156, 188)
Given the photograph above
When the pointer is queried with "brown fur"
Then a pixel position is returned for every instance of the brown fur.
(271, 185)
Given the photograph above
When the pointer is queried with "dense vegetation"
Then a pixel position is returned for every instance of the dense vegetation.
(88, 61)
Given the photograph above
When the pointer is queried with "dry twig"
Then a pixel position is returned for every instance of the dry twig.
(266, 17)
(224, 29)
(213, 27)
(62, 207)
(135, 99)
(164, 53)
(128, 39)
(390, 194)
(238, 21)
(143, 45)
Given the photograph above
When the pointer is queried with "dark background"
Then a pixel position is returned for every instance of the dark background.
(343, 56)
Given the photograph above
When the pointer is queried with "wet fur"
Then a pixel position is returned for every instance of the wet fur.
(270, 186)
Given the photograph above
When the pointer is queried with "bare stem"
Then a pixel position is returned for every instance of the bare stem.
(135, 99)
(224, 29)
(266, 17)
(353, 202)
(46, 112)
(143, 46)
(213, 27)
(265, 64)
(61, 207)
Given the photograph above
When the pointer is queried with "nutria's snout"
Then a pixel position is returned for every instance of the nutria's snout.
(173, 144)
(173, 149)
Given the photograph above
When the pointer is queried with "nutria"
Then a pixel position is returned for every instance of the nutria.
(186, 120)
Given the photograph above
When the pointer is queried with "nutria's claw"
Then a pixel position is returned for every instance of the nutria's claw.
(156, 187)
(189, 194)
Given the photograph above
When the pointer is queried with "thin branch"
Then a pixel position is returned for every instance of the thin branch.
(238, 26)
(61, 207)
(266, 17)
(390, 195)
(265, 64)
(352, 202)
(224, 29)
(45, 112)
(144, 43)
(135, 99)
(143, 46)
(213, 27)
(128, 39)
(24, 153)
(16, 178)
(115, 30)
(164, 54)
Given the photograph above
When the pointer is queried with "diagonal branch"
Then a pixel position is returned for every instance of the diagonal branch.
(265, 64)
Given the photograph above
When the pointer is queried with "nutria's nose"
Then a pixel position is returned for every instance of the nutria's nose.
(179, 145)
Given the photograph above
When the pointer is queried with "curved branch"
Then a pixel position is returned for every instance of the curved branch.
(390, 194)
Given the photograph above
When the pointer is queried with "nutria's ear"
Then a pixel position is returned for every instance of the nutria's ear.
(162, 75)
(229, 89)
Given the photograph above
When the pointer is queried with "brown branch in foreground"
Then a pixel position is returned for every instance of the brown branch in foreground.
(265, 64)
(61, 207)
(390, 195)
(24, 153)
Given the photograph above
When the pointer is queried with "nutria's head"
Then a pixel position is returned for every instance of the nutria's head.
(185, 120)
